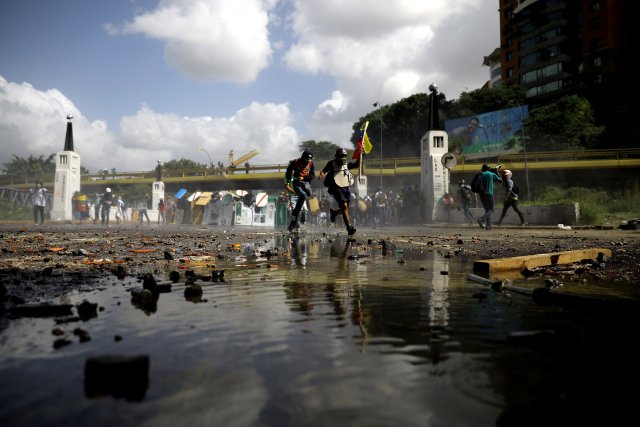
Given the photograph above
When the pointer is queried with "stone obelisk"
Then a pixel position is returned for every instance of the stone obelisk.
(67, 178)
(434, 177)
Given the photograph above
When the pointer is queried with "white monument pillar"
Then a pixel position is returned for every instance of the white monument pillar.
(434, 177)
(157, 194)
(67, 178)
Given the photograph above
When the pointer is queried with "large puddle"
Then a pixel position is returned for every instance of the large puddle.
(325, 332)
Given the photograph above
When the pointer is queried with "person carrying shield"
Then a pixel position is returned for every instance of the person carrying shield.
(298, 177)
(337, 179)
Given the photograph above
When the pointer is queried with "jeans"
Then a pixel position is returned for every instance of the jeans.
(488, 205)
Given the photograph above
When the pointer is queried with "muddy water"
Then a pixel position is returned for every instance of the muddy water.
(327, 333)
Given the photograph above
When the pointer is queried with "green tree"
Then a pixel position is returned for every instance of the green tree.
(403, 124)
(565, 124)
(182, 164)
(31, 169)
(322, 150)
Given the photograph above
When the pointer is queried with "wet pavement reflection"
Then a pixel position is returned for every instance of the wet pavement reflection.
(316, 330)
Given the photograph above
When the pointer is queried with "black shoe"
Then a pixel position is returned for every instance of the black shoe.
(351, 230)
(480, 223)
(334, 213)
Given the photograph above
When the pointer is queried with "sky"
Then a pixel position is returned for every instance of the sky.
(161, 80)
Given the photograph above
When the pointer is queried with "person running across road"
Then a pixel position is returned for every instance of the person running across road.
(298, 177)
(511, 198)
(489, 176)
(464, 200)
(337, 179)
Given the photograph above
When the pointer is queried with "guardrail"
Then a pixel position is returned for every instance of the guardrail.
(388, 166)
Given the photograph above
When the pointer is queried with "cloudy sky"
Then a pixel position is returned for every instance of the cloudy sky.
(152, 80)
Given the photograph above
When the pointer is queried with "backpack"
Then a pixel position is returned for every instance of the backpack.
(515, 189)
(477, 184)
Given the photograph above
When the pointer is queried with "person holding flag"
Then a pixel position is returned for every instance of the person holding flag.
(337, 179)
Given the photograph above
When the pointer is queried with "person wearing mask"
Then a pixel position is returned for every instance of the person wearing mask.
(298, 177)
(337, 179)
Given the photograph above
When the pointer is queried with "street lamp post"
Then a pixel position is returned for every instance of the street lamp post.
(208, 155)
(377, 104)
(524, 145)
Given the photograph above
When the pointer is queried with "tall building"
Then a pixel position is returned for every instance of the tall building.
(585, 47)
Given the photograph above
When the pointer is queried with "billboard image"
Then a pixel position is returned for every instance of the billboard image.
(487, 134)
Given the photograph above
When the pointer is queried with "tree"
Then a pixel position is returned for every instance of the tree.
(31, 169)
(565, 124)
(322, 150)
(182, 164)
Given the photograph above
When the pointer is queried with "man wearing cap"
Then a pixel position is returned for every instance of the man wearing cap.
(107, 201)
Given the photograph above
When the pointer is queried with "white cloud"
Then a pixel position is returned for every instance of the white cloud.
(213, 40)
(265, 127)
(34, 123)
(386, 51)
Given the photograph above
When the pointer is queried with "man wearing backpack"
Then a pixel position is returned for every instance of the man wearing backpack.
(464, 200)
(298, 177)
(511, 198)
(489, 176)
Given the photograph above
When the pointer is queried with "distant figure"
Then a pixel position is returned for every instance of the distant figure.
(464, 200)
(489, 176)
(159, 171)
(449, 203)
(246, 167)
(119, 210)
(511, 198)
(39, 198)
(107, 201)
(161, 209)
(143, 205)
(96, 208)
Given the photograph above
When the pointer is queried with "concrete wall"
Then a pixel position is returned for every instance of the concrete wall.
(567, 214)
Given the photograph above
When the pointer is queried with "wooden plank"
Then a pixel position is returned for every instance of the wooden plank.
(539, 260)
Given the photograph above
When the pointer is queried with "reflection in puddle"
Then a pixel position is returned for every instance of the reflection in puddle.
(312, 330)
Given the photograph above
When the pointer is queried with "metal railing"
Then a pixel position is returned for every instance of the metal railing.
(388, 166)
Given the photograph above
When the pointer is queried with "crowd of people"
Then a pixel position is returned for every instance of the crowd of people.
(338, 203)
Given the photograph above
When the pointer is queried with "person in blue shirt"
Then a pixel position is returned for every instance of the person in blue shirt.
(489, 176)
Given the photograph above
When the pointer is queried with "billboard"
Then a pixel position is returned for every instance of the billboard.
(487, 134)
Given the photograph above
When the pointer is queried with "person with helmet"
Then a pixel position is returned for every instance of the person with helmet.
(464, 200)
(489, 176)
(298, 177)
(511, 198)
(337, 179)
(107, 201)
